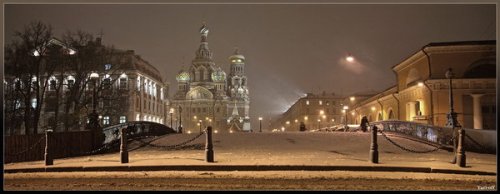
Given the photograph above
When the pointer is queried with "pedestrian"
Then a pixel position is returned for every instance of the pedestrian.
(364, 124)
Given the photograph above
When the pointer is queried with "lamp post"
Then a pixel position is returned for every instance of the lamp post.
(260, 124)
(452, 116)
(93, 117)
(345, 108)
(319, 124)
(171, 117)
(180, 119)
(199, 123)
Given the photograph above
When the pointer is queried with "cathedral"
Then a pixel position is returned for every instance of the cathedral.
(207, 96)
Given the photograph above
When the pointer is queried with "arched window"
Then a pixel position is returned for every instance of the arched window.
(391, 114)
(380, 117)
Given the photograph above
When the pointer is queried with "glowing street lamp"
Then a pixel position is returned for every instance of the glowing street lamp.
(199, 124)
(171, 117)
(345, 108)
(352, 98)
(260, 124)
(349, 58)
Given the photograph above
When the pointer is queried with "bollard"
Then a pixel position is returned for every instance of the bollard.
(123, 146)
(374, 146)
(460, 148)
(49, 160)
(209, 152)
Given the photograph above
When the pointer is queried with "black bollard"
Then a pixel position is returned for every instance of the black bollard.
(123, 146)
(460, 148)
(49, 160)
(374, 146)
(209, 152)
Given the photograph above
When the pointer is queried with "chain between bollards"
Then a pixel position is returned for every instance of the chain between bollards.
(209, 152)
(123, 146)
(49, 159)
(374, 146)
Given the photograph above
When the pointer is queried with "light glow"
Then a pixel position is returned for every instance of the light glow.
(349, 58)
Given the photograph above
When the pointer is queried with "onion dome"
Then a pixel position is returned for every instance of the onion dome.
(237, 57)
(218, 75)
(183, 76)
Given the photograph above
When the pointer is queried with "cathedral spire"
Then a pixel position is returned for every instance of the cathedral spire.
(204, 32)
(204, 52)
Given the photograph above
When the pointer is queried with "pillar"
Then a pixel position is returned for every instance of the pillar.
(478, 115)
(411, 110)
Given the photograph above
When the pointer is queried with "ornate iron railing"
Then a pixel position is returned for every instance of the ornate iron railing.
(135, 129)
(431, 133)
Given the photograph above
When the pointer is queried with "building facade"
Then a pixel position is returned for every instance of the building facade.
(421, 93)
(314, 111)
(125, 88)
(206, 95)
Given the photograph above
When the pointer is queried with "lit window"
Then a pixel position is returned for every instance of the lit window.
(123, 119)
(239, 60)
(107, 67)
(137, 117)
(52, 85)
(105, 120)
(320, 102)
(71, 81)
(33, 102)
(123, 83)
(234, 61)
(17, 104)
(307, 102)
(138, 83)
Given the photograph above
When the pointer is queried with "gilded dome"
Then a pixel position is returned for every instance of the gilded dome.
(218, 75)
(237, 57)
(183, 76)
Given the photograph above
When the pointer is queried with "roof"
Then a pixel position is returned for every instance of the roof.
(455, 43)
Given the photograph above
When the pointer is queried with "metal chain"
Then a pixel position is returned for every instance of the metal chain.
(406, 149)
(475, 142)
(176, 145)
(146, 143)
(28, 149)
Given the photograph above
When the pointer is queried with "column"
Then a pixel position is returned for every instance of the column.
(478, 115)
(411, 110)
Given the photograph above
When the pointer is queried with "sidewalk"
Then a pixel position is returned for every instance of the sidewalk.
(284, 151)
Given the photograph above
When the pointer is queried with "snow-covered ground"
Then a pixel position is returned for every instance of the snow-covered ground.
(285, 148)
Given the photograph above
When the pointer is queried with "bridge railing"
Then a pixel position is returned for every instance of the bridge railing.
(474, 140)
(431, 133)
(135, 129)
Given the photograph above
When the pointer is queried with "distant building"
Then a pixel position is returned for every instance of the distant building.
(206, 95)
(128, 89)
(315, 110)
(421, 93)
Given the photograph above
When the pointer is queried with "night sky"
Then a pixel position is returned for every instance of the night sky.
(290, 49)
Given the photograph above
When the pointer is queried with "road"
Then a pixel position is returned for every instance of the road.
(246, 180)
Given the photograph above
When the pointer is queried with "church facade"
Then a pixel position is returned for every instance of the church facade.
(208, 96)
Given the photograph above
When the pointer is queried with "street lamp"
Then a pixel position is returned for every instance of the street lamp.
(345, 108)
(199, 124)
(260, 124)
(171, 117)
(452, 116)
(180, 119)
(93, 117)
(349, 58)
(319, 124)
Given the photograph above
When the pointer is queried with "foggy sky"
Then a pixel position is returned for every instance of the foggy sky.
(289, 49)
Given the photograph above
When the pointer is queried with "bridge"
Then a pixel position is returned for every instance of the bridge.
(135, 129)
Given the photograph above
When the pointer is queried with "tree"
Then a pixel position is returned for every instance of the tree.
(26, 65)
